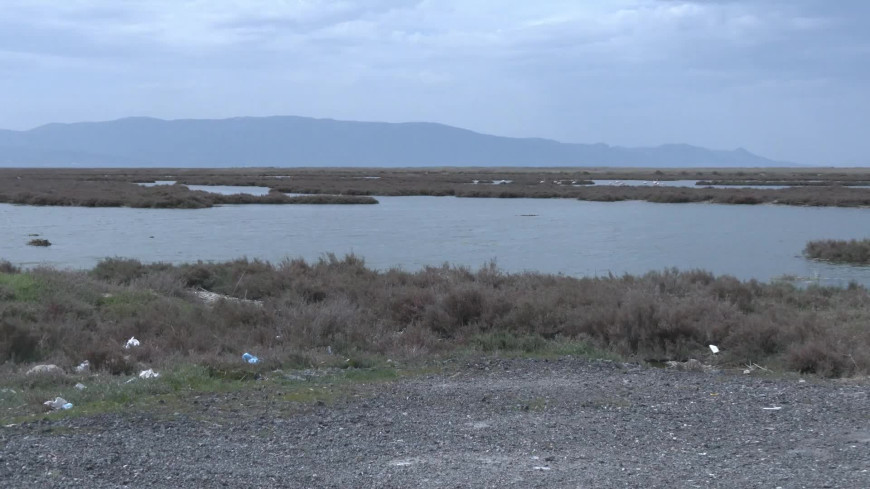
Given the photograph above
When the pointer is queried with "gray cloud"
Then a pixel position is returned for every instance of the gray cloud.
(783, 78)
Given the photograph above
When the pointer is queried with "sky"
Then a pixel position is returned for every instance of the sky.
(787, 79)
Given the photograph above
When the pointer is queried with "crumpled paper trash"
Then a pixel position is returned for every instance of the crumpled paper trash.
(148, 374)
(131, 343)
(83, 367)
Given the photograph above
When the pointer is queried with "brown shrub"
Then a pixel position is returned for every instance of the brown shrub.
(820, 357)
(340, 305)
(17, 343)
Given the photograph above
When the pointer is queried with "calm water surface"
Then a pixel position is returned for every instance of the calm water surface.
(550, 235)
(215, 189)
(231, 189)
(677, 183)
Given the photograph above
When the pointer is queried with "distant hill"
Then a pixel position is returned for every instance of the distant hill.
(302, 141)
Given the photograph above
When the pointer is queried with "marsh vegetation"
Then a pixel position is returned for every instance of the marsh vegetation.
(84, 191)
(854, 251)
(336, 311)
(116, 187)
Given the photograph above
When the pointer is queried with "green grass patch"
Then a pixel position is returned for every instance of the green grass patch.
(22, 286)
(21, 397)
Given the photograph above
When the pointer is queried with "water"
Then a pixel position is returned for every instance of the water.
(230, 189)
(548, 235)
(677, 183)
(215, 189)
(156, 183)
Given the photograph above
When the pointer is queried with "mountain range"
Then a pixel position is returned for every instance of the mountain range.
(303, 141)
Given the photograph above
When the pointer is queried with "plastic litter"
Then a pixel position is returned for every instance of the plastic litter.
(774, 408)
(148, 374)
(83, 367)
(131, 343)
(81, 386)
(250, 358)
(58, 403)
(714, 349)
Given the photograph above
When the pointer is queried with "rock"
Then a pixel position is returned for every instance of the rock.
(49, 369)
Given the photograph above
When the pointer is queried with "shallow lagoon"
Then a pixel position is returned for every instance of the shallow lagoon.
(548, 235)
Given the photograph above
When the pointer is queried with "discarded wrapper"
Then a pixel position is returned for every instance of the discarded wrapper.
(714, 349)
(148, 374)
(58, 403)
(250, 358)
(131, 343)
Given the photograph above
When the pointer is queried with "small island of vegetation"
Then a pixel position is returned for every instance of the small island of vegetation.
(854, 251)
(39, 242)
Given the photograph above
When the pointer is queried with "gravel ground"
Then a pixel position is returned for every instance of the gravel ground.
(497, 423)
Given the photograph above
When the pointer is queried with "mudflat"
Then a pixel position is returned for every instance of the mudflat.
(567, 422)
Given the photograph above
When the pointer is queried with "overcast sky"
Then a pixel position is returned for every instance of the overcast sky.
(788, 79)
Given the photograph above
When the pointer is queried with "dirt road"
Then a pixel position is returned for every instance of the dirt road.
(498, 423)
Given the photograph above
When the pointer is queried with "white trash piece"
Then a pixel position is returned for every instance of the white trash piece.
(81, 386)
(774, 408)
(250, 358)
(148, 374)
(714, 349)
(131, 343)
(58, 403)
(83, 367)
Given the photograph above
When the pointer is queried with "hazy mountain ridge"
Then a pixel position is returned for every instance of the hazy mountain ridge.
(302, 141)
